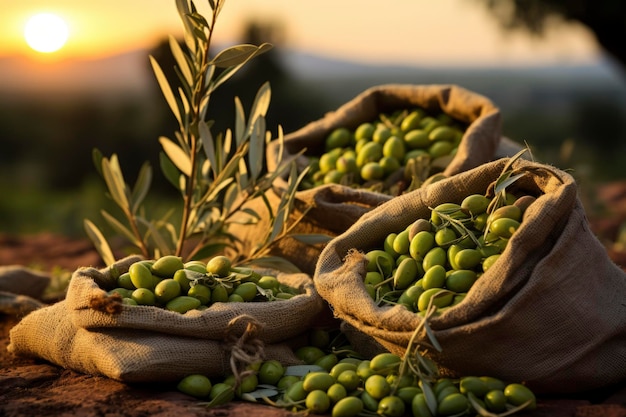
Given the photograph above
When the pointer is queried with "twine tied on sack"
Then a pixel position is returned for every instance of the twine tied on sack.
(245, 349)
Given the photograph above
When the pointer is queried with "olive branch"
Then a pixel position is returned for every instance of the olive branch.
(216, 175)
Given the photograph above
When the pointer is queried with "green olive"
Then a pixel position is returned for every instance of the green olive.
(460, 280)
(270, 372)
(219, 294)
(452, 404)
(421, 243)
(489, 261)
(183, 304)
(411, 121)
(518, 394)
(385, 363)
(434, 277)
(196, 385)
(167, 266)
(338, 138)
(219, 265)
(504, 227)
(381, 261)
(347, 407)
(364, 131)
(336, 392)
(327, 361)
(140, 276)
(318, 380)
(445, 236)
(369, 403)
(440, 148)
(166, 290)
(201, 292)
(473, 384)
(371, 171)
(440, 298)
(467, 259)
(419, 406)
(509, 211)
(401, 243)
(495, 401)
(296, 391)
(416, 139)
(435, 256)
(475, 204)
(391, 406)
(144, 296)
(405, 274)
(377, 386)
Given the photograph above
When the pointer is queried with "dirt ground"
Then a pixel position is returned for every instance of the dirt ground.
(31, 387)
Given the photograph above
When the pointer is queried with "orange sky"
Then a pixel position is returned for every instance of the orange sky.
(419, 32)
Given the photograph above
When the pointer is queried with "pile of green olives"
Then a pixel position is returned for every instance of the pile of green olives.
(171, 284)
(344, 385)
(391, 155)
(437, 260)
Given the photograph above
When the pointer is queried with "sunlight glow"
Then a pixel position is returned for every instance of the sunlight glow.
(46, 32)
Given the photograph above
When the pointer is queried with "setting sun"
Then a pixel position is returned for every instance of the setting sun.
(46, 32)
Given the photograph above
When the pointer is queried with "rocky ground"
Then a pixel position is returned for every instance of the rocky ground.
(32, 387)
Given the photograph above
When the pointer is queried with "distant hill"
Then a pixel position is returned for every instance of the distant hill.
(509, 87)
(128, 72)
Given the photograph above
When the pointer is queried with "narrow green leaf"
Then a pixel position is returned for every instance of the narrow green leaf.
(277, 226)
(230, 196)
(115, 182)
(240, 123)
(431, 336)
(227, 146)
(256, 150)
(261, 103)
(234, 55)
(176, 155)
(181, 60)
(230, 71)
(99, 242)
(214, 192)
(171, 173)
(502, 185)
(207, 144)
(301, 370)
(429, 394)
(142, 186)
(243, 177)
(166, 89)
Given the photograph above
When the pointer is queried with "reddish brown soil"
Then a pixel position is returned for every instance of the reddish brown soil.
(36, 388)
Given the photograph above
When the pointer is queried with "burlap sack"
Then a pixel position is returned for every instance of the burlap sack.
(282, 319)
(550, 312)
(89, 332)
(21, 280)
(334, 208)
(479, 144)
(127, 355)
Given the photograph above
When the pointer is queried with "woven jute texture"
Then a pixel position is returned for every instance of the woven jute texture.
(550, 312)
(86, 333)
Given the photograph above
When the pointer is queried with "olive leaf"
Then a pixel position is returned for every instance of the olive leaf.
(100, 242)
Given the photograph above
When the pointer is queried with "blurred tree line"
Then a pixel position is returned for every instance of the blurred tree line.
(605, 18)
